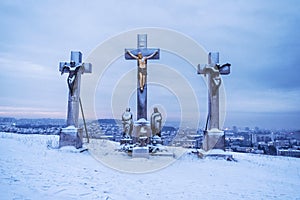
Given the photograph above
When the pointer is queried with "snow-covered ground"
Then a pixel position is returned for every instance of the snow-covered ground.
(29, 169)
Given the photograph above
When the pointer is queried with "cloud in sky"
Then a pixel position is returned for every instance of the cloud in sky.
(259, 39)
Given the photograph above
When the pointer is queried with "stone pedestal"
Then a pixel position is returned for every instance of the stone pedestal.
(141, 136)
(214, 139)
(141, 132)
(70, 136)
(140, 152)
(216, 153)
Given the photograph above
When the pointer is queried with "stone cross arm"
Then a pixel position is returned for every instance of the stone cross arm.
(75, 61)
(64, 67)
(145, 52)
(213, 66)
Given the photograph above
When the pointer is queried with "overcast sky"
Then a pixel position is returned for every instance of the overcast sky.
(259, 38)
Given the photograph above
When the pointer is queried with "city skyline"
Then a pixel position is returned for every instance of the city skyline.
(258, 38)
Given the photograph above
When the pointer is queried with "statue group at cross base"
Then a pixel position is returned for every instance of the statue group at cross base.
(155, 123)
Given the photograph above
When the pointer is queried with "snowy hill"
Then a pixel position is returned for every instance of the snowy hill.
(31, 170)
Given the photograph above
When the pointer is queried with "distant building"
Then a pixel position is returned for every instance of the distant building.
(289, 152)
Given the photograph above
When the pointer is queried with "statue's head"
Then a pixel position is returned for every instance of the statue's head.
(128, 109)
(155, 109)
(72, 63)
(140, 55)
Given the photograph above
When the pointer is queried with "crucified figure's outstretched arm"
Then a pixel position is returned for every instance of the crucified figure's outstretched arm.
(152, 55)
(132, 55)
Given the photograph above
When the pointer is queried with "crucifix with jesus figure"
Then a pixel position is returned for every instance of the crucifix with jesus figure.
(142, 54)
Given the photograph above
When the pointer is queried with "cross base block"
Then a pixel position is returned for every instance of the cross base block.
(141, 132)
(140, 152)
(214, 139)
(70, 136)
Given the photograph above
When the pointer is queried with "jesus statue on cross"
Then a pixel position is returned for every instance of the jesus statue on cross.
(142, 54)
(142, 66)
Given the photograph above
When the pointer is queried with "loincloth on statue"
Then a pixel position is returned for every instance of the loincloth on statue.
(143, 71)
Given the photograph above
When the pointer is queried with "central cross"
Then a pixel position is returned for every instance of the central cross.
(142, 54)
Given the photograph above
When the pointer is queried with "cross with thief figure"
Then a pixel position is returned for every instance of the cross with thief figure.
(72, 134)
(75, 68)
(214, 137)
